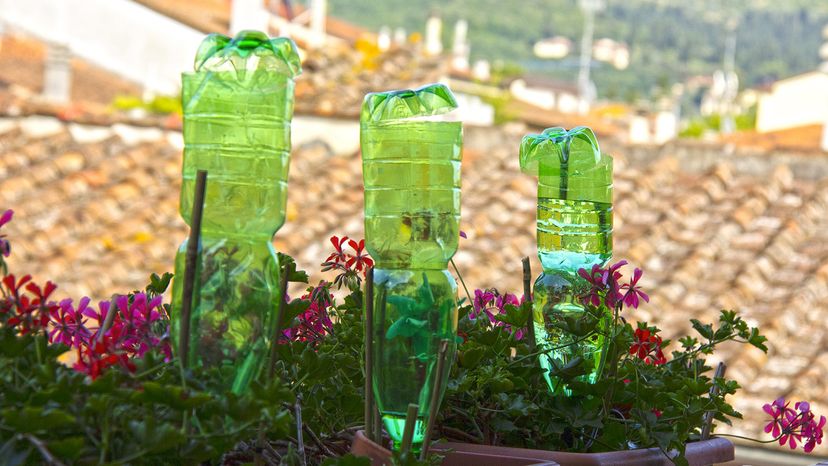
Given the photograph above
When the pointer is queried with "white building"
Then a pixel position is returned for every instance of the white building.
(546, 93)
(798, 101)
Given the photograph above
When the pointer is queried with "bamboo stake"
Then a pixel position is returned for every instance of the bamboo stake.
(377, 425)
(708, 416)
(433, 405)
(380, 349)
(408, 430)
(369, 357)
(527, 297)
(191, 264)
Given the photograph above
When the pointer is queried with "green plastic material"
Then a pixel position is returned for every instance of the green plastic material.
(411, 171)
(574, 231)
(237, 110)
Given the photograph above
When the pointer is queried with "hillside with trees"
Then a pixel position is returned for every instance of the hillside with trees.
(669, 40)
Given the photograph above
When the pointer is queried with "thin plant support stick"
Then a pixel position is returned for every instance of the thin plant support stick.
(300, 442)
(708, 416)
(271, 361)
(435, 398)
(191, 264)
(380, 344)
(377, 424)
(408, 431)
(369, 357)
(527, 297)
(110, 316)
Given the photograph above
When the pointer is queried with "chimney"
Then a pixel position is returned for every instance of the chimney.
(400, 37)
(319, 14)
(57, 78)
(433, 38)
(384, 38)
(460, 48)
(248, 14)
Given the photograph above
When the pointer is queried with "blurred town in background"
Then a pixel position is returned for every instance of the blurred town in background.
(716, 115)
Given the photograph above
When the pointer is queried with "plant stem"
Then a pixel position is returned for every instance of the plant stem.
(465, 288)
(48, 458)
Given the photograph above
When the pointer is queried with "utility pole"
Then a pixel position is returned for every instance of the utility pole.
(823, 53)
(586, 89)
(731, 89)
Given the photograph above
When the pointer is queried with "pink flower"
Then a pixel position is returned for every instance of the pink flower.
(489, 301)
(794, 425)
(631, 297)
(5, 246)
(68, 324)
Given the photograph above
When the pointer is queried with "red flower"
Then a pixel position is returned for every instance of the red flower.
(338, 256)
(647, 347)
(359, 260)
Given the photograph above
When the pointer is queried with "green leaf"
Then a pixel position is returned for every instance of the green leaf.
(757, 340)
(35, 419)
(69, 447)
(348, 460)
(405, 327)
(299, 276)
(705, 330)
(158, 285)
(503, 425)
(471, 358)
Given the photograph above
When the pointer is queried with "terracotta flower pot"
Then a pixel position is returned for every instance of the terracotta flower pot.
(701, 453)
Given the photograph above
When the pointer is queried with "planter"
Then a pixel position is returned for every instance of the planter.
(705, 452)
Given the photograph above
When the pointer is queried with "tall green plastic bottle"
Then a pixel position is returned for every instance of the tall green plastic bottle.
(238, 105)
(574, 231)
(411, 171)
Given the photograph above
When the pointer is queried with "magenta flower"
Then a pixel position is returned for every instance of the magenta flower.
(5, 245)
(603, 285)
(68, 324)
(776, 410)
(492, 303)
(794, 425)
(631, 297)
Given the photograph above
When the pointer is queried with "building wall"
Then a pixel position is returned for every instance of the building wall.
(798, 101)
(104, 32)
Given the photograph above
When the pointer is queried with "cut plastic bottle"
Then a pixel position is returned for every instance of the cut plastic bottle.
(238, 105)
(411, 172)
(574, 227)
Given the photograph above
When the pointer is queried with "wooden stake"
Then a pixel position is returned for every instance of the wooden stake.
(369, 356)
(408, 430)
(434, 403)
(527, 297)
(190, 267)
(708, 416)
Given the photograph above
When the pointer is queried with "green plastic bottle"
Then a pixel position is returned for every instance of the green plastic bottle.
(411, 172)
(237, 105)
(574, 231)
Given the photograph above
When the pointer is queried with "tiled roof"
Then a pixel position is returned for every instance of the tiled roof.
(96, 211)
(21, 71)
(803, 138)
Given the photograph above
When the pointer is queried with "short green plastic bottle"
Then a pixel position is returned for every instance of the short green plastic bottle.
(238, 104)
(411, 172)
(574, 229)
